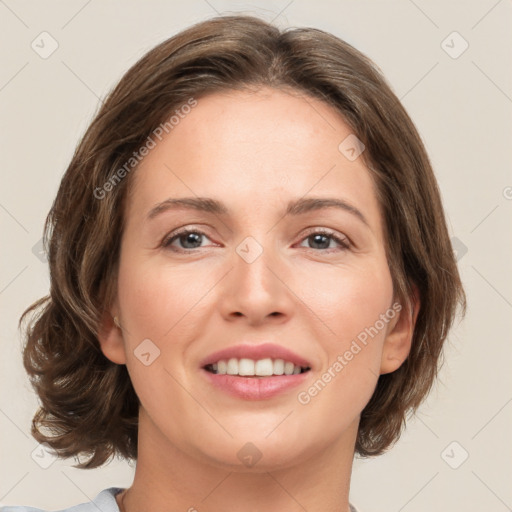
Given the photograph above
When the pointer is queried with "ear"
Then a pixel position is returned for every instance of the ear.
(110, 337)
(398, 341)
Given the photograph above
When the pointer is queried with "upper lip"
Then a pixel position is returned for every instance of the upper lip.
(255, 352)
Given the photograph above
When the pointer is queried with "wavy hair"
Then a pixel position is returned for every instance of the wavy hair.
(88, 405)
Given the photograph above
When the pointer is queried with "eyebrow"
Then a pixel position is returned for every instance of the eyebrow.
(294, 207)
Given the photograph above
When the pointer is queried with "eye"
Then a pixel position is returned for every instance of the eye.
(322, 240)
(190, 238)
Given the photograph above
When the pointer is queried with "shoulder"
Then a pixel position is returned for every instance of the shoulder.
(104, 501)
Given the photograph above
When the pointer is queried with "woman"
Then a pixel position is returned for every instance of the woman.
(251, 275)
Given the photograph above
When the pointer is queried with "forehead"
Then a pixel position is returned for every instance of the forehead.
(256, 150)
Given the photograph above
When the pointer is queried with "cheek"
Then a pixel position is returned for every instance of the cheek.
(165, 303)
(347, 300)
(158, 300)
(158, 303)
(350, 304)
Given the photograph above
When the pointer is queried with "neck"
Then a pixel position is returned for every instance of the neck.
(167, 475)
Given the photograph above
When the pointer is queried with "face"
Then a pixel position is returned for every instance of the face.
(313, 281)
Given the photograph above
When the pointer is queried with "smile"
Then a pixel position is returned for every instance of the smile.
(255, 368)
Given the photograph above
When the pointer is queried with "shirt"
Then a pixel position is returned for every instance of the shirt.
(104, 502)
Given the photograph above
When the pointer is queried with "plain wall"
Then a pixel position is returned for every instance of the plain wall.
(462, 108)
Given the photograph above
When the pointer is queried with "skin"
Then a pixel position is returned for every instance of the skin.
(254, 151)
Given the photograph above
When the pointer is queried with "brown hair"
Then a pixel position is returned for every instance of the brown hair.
(88, 403)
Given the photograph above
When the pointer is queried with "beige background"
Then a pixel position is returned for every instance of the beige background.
(462, 108)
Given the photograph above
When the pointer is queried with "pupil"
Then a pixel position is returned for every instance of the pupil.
(317, 239)
(190, 237)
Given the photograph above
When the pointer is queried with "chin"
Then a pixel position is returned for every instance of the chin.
(255, 453)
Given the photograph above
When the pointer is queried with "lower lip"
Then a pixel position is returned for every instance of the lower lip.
(255, 388)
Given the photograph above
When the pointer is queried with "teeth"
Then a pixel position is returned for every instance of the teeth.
(264, 367)
(260, 368)
(232, 368)
(279, 367)
(222, 367)
(288, 368)
(246, 367)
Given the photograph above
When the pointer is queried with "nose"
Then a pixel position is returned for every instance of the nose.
(256, 288)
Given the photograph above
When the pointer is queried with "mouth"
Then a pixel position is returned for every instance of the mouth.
(260, 368)
(251, 371)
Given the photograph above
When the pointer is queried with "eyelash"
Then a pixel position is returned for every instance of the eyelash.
(343, 242)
